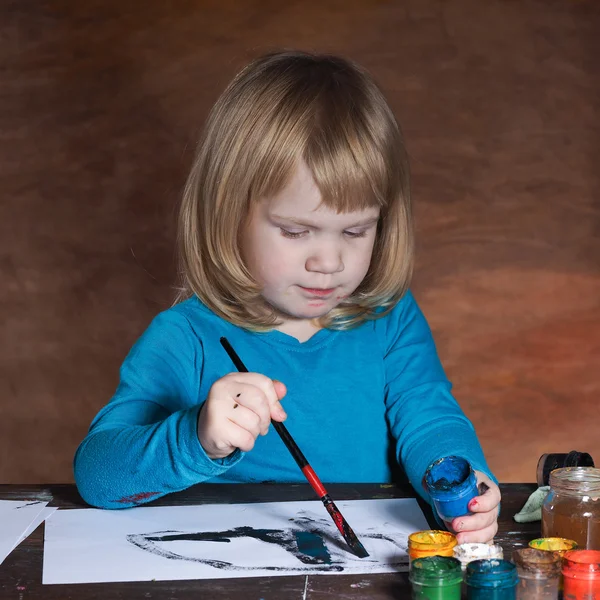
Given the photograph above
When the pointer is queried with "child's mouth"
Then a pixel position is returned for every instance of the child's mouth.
(318, 292)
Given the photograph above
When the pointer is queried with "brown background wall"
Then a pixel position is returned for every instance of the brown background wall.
(100, 105)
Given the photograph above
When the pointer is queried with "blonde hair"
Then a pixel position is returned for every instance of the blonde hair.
(280, 109)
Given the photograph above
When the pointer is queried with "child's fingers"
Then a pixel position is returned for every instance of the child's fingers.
(474, 522)
(237, 437)
(277, 411)
(253, 399)
(483, 536)
(262, 382)
(247, 419)
(267, 386)
(280, 388)
(489, 499)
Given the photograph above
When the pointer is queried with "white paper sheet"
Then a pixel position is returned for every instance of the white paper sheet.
(225, 541)
(15, 518)
(42, 516)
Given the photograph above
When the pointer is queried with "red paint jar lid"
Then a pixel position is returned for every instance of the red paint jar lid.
(582, 564)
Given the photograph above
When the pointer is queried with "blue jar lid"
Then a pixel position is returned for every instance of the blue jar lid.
(491, 573)
(450, 477)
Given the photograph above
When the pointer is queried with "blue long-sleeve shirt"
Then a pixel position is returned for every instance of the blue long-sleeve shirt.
(353, 399)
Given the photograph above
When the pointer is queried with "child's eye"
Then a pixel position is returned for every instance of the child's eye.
(291, 234)
(356, 234)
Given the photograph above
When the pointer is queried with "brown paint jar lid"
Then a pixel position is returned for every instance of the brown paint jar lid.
(537, 563)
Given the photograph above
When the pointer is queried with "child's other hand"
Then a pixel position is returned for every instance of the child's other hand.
(238, 409)
(482, 524)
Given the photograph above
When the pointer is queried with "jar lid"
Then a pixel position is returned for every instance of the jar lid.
(491, 573)
(436, 571)
(553, 544)
(537, 563)
(473, 551)
(548, 462)
(450, 477)
(582, 564)
(425, 540)
(576, 479)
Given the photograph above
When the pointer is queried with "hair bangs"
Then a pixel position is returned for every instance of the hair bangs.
(349, 179)
(347, 150)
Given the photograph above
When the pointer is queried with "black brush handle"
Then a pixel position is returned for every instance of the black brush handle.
(341, 523)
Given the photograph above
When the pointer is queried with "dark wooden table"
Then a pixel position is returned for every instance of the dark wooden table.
(21, 572)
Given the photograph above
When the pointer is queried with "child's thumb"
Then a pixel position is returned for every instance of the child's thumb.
(280, 388)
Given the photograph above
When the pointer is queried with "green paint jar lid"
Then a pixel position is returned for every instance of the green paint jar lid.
(435, 571)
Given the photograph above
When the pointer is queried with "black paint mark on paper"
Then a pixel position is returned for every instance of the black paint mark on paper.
(28, 504)
(313, 559)
(307, 546)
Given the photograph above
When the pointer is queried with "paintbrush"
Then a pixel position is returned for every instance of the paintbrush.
(310, 475)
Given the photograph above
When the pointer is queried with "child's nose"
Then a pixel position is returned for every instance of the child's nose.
(327, 258)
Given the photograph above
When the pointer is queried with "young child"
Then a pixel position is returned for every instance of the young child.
(296, 243)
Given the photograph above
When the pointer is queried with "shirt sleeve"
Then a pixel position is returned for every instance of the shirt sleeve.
(144, 444)
(425, 419)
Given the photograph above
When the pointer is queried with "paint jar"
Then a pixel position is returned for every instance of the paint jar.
(467, 553)
(430, 543)
(558, 546)
(581, 573)
(539, 572)
(554, 544)
(491, 579)
(451, 483)
(571, 509)
(549, 462)
(435, 578)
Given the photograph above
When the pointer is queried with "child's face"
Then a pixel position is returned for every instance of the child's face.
(307, 257)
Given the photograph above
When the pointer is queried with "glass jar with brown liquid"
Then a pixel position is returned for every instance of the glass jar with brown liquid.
(572, 507)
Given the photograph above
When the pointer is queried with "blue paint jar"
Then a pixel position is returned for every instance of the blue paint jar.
(452, 484)
(491, 579)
